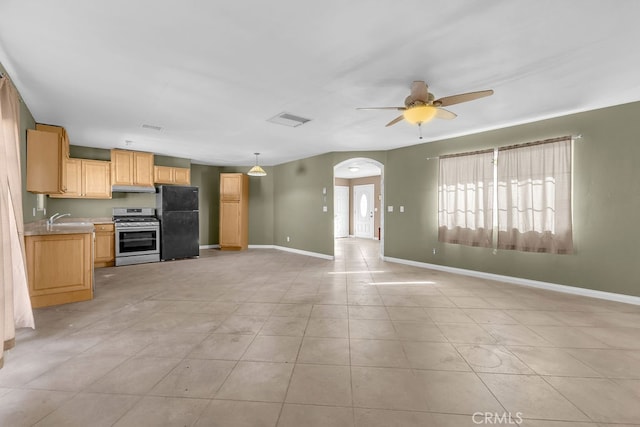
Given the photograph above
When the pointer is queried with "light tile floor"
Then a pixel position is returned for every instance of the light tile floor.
(266, 338)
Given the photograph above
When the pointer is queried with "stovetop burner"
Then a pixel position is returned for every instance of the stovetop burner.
(135, 217)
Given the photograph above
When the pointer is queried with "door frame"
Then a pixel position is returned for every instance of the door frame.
(381, 195)
(347, 212)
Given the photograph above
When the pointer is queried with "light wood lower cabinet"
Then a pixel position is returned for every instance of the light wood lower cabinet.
(230, 225)
(105, 249)
(59, 268)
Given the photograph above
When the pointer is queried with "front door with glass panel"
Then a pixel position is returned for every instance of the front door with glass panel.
(363, 210)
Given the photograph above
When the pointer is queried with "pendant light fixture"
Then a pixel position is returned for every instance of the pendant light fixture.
(256, 170)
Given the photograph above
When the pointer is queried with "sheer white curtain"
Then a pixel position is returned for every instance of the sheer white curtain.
(534, 197)
(15, 306)
(465, 199)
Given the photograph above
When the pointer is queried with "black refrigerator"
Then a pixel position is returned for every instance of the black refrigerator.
(177, 210)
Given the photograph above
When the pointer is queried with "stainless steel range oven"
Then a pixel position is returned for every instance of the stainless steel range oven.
(137, 235)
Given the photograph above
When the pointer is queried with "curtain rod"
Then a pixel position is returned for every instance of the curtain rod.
(544, 141)
(533, 143)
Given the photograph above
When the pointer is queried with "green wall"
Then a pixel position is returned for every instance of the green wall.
(606, 203)
(299, 199)
(28, 199)
(298, 205)
(261, 204)
(207, 178)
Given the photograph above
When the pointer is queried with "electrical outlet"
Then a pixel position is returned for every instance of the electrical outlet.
(34, 211)
(401, 209)
(389, 208)
(288, 239)
(324, 209)
(434, 251)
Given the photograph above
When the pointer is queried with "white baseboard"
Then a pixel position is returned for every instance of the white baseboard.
(209, 246)
(628, 299)
(307, 253)
(262, 247)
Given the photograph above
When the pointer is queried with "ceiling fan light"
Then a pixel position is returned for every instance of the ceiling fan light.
(421, 114)
(354, 168)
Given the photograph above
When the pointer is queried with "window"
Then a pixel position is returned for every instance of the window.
(532, 197)
(465, 192)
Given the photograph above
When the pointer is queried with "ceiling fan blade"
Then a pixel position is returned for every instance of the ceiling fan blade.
(445, 114)
(463, 97)
(382, 108)
(419, 91)
(394, 121)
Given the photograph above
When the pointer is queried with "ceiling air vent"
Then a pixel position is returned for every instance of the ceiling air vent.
(152, 127)
(288, 119)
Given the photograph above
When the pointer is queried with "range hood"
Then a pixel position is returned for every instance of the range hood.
(132, 189)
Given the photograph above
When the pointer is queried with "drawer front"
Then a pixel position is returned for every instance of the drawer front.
(104, 227)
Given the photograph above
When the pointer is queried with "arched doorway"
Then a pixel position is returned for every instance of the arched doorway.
(359, 200)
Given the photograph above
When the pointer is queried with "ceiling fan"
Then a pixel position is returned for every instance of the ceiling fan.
(421, 106)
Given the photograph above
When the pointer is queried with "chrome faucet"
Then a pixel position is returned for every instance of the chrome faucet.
(56, 216)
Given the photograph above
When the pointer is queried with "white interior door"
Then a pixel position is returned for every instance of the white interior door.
(363, 207)
(341, 211)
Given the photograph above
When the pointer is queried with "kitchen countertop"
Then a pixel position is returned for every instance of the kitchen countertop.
(40, 228)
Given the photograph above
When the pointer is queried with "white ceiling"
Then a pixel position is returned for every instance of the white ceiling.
(211, 73)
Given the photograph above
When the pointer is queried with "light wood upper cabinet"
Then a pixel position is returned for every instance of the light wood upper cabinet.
(73, 179)
(132, 168)
(171, 175)
(62, 134)
(143, 169)
(182, 176)
(234, 211)
(96, 179)
(121, 167)
(46, 154)
(163, 175)
(231, 185)
(89, 179)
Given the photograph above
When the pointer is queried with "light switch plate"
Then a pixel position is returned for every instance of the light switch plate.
(389, 208)
(401, 208)
(324, 209)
